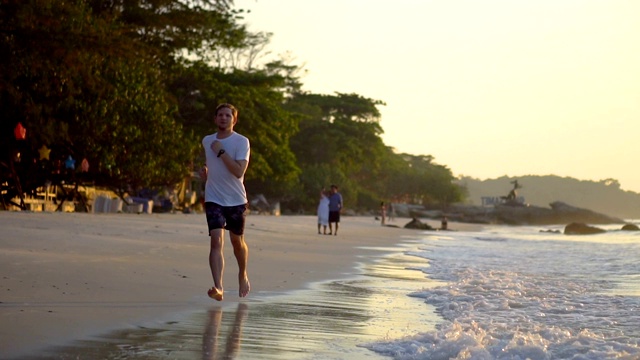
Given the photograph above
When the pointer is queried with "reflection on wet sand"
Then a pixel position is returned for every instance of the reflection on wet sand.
(328, 321)
(211, 336)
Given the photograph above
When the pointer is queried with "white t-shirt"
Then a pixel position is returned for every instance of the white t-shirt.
(222, 186)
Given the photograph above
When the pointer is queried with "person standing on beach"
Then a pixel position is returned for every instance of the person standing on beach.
(227, 159)
(335, 207)
(323, 212)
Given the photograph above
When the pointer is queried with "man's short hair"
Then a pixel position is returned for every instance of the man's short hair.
(234, 111)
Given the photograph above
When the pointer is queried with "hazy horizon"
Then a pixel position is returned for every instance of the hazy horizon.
(489, 88)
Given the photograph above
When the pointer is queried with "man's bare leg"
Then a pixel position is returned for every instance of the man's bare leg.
(216, 263)
(241, 252)
(336, 232)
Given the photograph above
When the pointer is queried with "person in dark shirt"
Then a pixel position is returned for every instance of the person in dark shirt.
(335, 207)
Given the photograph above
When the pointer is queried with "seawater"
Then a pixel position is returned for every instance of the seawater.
(523, 293)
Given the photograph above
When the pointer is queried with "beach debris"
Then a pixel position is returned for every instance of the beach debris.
(417, 224)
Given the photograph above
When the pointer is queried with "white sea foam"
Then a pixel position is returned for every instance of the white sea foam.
(518, 293)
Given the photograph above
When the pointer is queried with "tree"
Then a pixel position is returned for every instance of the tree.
(172, 27)
(129, 85)
(333, 132)
(261, 118)
(87, 89)
(89, 79)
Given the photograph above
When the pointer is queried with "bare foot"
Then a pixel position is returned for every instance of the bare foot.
(215, 294)
(245, 286)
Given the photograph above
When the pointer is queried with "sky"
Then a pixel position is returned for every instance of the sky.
(487, 87)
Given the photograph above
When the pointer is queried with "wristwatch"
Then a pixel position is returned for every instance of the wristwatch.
(220, 152)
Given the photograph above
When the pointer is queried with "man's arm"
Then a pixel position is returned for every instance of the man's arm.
(236, 167)
(204, 170)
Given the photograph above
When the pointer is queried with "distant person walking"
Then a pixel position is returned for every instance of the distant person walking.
(335, 207)
(383, 213)
(391, 213)
(227, 159)
(323, 212)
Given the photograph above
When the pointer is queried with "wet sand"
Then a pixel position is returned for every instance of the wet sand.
(122, 285)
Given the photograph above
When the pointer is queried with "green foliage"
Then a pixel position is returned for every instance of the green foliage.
(339, 142)
(261, 118)
(85, 88)
(169, 27)
(132, 86)
(128, 130)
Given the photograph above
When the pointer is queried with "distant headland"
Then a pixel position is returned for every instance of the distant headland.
(511, 209)
(556, 214)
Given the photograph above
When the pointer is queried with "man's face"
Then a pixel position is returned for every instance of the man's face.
(224, 119)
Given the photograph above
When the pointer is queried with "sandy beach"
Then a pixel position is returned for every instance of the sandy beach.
(69, 276)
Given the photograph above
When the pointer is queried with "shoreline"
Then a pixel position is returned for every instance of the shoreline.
(69, 276)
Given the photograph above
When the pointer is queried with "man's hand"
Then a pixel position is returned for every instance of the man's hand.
(216, 146)
(204, 172)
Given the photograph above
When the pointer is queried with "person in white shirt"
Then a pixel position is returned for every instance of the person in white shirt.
(323, 212)
(227, 158)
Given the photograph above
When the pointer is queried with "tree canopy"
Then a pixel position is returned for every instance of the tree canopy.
(130, 87)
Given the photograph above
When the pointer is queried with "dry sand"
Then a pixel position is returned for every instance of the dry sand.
(66, 276)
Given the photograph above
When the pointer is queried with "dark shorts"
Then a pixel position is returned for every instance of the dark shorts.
(334, 216)
(231, 218)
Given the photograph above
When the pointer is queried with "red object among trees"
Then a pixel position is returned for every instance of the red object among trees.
(20, 132)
